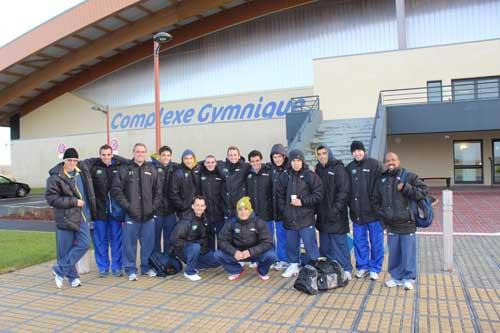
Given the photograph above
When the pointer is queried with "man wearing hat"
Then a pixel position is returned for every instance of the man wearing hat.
(70, 192)
(185, 184)
(364, 172)
(299, 191)
(246, 239)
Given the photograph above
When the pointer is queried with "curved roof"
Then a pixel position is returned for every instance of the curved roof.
(97, 37)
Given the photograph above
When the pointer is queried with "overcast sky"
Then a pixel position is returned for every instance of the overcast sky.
(16, 18)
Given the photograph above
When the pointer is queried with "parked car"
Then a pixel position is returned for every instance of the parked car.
(10, 187)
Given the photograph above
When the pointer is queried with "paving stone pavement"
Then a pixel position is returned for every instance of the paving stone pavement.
(467, 300)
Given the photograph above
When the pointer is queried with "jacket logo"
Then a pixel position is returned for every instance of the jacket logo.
(366, 170)
(237, 230)
(115, 171)
(217, 178)
(301, 176)
(252, 229)
(194, 227)
(99, 172)
(147, 173)
(160, 170)
(383, 180)
(226, 170)
(265, 174)
(186, 174)
(131, 173)
(249, 176)
(331, 173)
(236, 170)
(353, 171)
(203, 178)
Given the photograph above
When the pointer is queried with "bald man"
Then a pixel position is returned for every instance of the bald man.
(391, 201)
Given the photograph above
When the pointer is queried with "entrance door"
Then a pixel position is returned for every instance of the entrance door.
(468, 162)
(496, 162)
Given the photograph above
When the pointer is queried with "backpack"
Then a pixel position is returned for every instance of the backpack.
(164, 264)
(421, 210)
(330, 274)
(307, 280)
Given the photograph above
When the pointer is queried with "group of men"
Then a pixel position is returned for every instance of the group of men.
(233, 213)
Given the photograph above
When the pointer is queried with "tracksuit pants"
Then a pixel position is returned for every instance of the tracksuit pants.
(196, 260)
(369, 246)
(402, 256)
(308, 236)
(164, 225)
(106, 235)
(232, 266)
(133, 232)
(279, 239)
(335, 247)
(71, 247)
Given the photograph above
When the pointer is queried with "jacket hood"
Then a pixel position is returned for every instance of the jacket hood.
(297, 154)
(57, 169)
(278, 149)
(332, 161)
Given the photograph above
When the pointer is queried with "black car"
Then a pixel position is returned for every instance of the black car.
(11, 188)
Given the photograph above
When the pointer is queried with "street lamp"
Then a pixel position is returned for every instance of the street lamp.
(159, 38)
(105, 110)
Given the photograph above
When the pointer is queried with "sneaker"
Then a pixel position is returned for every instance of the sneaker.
(292, 270)
(347, 276)
(362, 273)
(103, 274)
(59, 280)
(280, 266)
(393, 283)
(234, 277)
(408, 284)
(76, 283)
(373, 276)
(117, 273)
(150, 273)
(132, 277)
(192, 277)
(253, 264)
(264, 277)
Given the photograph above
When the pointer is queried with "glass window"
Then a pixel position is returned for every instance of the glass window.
(496, 161)
(434, 91)
(463, 90)
(4, 180)
(487, 88)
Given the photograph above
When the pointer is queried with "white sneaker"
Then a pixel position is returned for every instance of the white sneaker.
(374, 276)
(280, 266)
(347, 276)
(292, 270)
(132, 277)
(76, 283)
(393, 283)
(264, 277)
(408, 284)
(253, 264)
(192, 277)
(361, 273)
(59, 280)
(151, 273)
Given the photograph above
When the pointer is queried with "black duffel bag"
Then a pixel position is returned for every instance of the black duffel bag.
(307, 281)
(330, 274)
(164, 264)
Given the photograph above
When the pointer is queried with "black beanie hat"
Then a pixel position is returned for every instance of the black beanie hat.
(70, 153)
(355, 145)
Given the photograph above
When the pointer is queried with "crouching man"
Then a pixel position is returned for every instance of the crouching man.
(190, 240)
(246, 239)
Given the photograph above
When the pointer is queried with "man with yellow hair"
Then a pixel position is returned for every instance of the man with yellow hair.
(246, 239)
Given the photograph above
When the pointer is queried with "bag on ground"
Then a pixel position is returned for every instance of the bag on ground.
(307, 281)
(330, 274)
(164, 264)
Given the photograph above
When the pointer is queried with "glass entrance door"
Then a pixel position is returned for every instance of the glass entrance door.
(468, 162)
(496, 162)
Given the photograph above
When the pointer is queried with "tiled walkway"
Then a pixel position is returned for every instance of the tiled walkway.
(467, 300)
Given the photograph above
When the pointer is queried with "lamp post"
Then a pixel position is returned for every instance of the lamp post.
(105, 110)
(158, 39)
